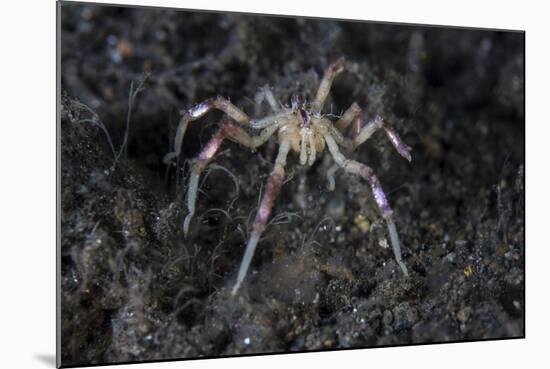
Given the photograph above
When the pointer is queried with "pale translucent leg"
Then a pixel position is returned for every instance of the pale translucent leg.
(349, 115)
(241, 136)
(267, 94)
(312, 150)
(226, 130)
(368, 130)
(326, 83)
(273, 186)
(198, 111)
(197, 166)
(354, 167)
(331, 185)
(394, 240)
(363, 135)
(352, 114)
(329, 127)
(275, 119)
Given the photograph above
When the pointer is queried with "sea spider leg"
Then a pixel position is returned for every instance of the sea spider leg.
(267, 94)
(324, 88)
(198, 111)
(331, 185)
(276, 118)
(364, 134)
(227, 130)
(239, 135)
(197, 166)
(352, 113)
(367, 131)
(274, 183)
(354, 167)
(396, 141)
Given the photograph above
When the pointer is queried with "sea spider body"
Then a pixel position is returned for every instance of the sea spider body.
(301, 128)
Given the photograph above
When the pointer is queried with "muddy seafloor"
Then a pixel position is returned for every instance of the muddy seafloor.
(322, 277)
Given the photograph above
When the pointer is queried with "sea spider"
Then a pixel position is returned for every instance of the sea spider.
(301, 128)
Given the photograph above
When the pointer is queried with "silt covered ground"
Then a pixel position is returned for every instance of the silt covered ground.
(133, 289)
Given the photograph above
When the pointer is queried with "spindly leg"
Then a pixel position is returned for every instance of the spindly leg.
(351, 114)
(241, 136)
(367, 173)
(376, 124)
(227, 130)
(272, 189)
(275, 119)
(198, 111)
(197, 166)
(324, 88)
(364, 134)
(267, 94)
(396, 141)
(331, 185)
(354, 167)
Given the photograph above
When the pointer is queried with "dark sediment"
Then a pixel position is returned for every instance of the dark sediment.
(134, 289)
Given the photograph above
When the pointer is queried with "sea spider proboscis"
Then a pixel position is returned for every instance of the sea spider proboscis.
(302, 128)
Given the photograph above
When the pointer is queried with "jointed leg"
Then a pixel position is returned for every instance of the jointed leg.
(367, 173)
(198, 111)
(364, 134)
(354, 167)
(330, 177)
(197, 166)
(227, 130)
(376, 124)
(330, 73)
(399, 145)
(367, 131)
(241, 136)
(272, 189)
(275, 119)
(267, 94)
(353, 112)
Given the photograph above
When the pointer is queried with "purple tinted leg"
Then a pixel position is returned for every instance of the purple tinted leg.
(376, 124)
(396, 141)
(198, 111)
(273, 186)
(354, 167)
(198, 165)
(383, 205)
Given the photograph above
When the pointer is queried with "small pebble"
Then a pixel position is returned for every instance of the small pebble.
(362, 223)
(464, 314)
